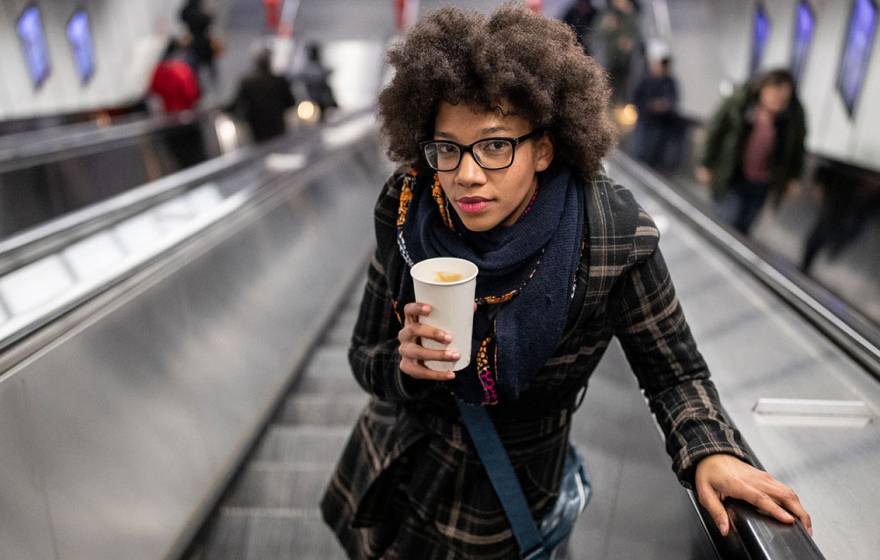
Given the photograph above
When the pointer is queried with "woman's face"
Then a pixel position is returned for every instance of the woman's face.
(483, 199)
(775, 97)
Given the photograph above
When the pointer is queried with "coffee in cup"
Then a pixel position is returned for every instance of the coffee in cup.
(448, 285)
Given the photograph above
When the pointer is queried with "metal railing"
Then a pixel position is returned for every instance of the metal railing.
(46, 242)
(28, 149)
(753, 536)
(834, 318)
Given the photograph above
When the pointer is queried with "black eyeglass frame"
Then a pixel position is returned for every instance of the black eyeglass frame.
(469, 148)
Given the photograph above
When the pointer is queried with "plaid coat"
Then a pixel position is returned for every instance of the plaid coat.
(409, 483)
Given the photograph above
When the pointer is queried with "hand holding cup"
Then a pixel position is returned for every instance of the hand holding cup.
(413, 354)
(436, 337)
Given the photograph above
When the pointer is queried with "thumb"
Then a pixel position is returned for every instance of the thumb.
(709, 500)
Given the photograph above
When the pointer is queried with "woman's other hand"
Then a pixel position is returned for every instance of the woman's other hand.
(413, 354)
(724, 476)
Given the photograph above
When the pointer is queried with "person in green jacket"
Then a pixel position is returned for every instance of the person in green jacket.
(620, 32)
(755, 148)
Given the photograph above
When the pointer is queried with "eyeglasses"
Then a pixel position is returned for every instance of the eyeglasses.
(489, 153)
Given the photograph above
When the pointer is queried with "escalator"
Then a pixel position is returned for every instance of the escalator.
(193, 401)
(271, 509)
(639, 510)
(49, 173)
(127, 400)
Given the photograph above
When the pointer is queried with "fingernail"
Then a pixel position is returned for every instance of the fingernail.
(454, 355)
(425, 309)
(447, 337)
(450, 375)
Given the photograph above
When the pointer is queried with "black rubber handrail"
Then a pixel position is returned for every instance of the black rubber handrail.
(28, 149)
(753, 536)
(34, 243)
(248, 195)
(45, 239)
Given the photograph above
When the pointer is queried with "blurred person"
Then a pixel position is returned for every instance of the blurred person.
(203, 46)
(174, 82)
(621, 35)
(314, 77)
(656, 99)
(263, 98)
(754, 149)
(580, 17)
(847, 204)
(500, 124)
(536, 6)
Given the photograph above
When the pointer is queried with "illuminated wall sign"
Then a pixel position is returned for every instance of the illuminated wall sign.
(856, 52)
(804, 24)
(80, 37)
(33, 44)
(760, 34)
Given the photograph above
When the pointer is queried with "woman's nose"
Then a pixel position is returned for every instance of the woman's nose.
(469, 172)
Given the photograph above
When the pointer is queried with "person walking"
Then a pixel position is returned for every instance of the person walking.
(754, 149)
(656, 99)
(621, 36)
(580, 16)
(314, 77)
(263, 98)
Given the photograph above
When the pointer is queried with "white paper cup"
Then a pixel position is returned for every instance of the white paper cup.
(452, 305)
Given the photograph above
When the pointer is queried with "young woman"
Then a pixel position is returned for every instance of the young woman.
(501, 124)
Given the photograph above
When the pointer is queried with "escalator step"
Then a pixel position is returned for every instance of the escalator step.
(330, 409)
(290, 444)
(280, 485)
(333, 384)
(245, 534)
(328, 361)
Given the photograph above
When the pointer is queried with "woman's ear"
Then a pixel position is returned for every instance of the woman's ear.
(543, 152)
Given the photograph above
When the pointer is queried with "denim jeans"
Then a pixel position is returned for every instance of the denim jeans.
(741, 204)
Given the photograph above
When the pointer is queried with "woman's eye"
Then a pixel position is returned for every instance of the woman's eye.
(496, 146)
(446, 149)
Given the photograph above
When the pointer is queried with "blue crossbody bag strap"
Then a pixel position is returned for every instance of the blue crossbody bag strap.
(503, 478)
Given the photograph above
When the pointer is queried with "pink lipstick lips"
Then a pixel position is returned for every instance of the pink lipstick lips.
(472, 204)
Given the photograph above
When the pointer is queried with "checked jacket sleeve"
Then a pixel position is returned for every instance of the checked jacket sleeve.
(373, 354)
(651, 327)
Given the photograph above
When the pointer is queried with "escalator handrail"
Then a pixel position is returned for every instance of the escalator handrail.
(42, 240)
(833, 317)
(754, 536)
(26, 152)
(34, 243)
(31, 322)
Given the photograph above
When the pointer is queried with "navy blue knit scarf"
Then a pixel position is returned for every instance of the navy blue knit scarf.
(526, 277)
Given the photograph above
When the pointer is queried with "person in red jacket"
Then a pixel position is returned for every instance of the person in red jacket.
(175, 82)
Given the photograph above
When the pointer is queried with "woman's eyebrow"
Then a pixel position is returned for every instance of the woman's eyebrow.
(494, 129)
(483, 131)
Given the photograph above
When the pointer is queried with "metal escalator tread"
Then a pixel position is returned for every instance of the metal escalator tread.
(271, 510)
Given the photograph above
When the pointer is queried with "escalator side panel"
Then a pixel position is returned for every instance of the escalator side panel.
(639, 510)
(25, 516)
(139, 414)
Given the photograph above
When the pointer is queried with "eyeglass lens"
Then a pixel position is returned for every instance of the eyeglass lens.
(489, 154)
